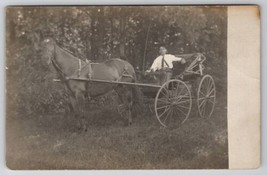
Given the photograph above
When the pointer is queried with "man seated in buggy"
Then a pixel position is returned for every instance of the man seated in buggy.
(163, 64)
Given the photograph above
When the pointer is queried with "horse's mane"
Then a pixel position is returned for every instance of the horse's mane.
(67, 52)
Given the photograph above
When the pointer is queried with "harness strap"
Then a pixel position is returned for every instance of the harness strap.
(164, 61)
(125, 74)
(80, 68)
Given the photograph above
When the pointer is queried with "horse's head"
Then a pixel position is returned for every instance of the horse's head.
(48, 51)
(48, 45)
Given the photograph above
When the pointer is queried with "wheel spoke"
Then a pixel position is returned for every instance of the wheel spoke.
(208, 108)
(210, 92)
(167, 116)
(174, 112)
(208, 84)
(163, 101)
(165, 93)
(211, 101)
(202, 93)
(204, 105)
(203, 111)
(182, 99)
(181, 91)
(182, 111)
(178, 116)
(202, 98)
(211, 85)
(177, 87)
(163, 112)
(178, 99)
(172, 86)
(182, 106)
(162, 107)
(171, 115)
(181, 102)
(178, 113)
(201, 103)
(211, 97)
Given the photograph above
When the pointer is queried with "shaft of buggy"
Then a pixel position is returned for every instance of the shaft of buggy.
(112, 82)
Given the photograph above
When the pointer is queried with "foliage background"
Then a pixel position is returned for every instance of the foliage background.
(99, 33)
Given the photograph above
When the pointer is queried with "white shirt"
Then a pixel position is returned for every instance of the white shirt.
(168, 58)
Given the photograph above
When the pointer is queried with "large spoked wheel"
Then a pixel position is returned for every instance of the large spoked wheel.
(206, 96)
(173, 103)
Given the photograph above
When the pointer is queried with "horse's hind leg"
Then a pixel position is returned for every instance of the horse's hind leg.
(69, 111)
(75, 107)
(125, 99)
(130, 105)
(81, 102)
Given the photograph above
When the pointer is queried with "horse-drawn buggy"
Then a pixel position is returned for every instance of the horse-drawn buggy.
(173, 95)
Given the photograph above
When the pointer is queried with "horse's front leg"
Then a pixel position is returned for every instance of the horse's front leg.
(69, 110)
(78, 105)
(75, 111)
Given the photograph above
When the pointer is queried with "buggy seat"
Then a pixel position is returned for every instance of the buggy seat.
(192, 68)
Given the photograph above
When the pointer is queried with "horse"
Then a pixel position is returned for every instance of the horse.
(69, 69)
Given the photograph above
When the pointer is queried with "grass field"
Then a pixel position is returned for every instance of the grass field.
(51, 142)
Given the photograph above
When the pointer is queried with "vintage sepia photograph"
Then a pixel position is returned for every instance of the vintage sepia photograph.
(116, 87)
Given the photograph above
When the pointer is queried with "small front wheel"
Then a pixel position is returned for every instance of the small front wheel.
(206, 96)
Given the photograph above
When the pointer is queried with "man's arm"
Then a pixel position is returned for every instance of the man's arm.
(155, 65)
(182, 60)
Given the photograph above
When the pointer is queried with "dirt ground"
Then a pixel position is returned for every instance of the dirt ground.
(52, 142)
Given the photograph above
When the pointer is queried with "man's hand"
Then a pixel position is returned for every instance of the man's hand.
(183, 61)
(149, 71)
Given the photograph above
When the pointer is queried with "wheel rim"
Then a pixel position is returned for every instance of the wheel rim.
(206, 96)
(173, 103)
